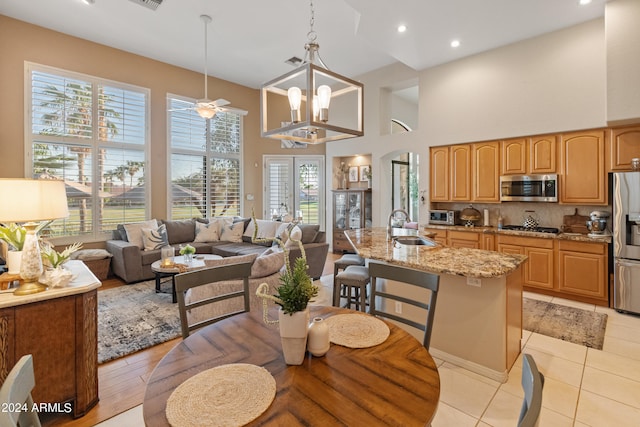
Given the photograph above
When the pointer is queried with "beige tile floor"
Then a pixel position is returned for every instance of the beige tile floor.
(583, 387)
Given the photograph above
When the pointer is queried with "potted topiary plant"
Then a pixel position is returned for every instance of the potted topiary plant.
(293, 295)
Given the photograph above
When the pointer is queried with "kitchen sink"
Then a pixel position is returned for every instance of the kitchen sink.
(414, 241)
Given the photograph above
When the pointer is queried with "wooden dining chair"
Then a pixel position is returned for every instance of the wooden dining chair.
(16, 392)
(414, 280)
(209, 277)
(532, 384)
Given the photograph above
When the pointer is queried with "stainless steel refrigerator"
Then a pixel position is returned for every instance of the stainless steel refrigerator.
(626, 241)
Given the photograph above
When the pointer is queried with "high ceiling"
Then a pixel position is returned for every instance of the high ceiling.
(250, 40)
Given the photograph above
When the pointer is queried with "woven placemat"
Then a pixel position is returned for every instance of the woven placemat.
(356, 330)
(227, 395)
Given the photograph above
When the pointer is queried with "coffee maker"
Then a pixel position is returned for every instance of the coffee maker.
(597, 224)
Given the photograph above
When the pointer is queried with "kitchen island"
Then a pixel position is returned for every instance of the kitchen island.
(478, 317)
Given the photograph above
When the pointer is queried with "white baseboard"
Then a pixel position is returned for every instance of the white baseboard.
(471, 366)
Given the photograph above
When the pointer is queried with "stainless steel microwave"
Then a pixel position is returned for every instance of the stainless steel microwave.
(444, 217)
(529, 188)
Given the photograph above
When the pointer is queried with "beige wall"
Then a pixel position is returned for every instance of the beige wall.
(623, 61)
(21, 42)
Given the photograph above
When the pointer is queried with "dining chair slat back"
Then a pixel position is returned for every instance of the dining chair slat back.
(532, 384)
(16, 393)
(409, 277)
(209, 276)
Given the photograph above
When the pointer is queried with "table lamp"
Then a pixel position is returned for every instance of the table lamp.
(31, 201)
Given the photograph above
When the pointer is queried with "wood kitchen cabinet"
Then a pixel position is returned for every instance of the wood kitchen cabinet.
(486, 164)
(538, 271)
(460, 170)
(488, 242)
(450, 173)
(439, 185)
(534, 155)
(514, 156)
(622, 146)
(542, 154)
(440, 235)
(583, 178)
(582, 269)
(463, 239)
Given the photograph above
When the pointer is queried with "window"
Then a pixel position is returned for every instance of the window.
(204, 162)
(91, 133)
(293, 184)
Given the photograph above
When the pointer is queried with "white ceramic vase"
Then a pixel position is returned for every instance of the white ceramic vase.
(14, 260)
(318, 338)
(293, 334)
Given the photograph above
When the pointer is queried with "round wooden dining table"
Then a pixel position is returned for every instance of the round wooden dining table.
(393, 383)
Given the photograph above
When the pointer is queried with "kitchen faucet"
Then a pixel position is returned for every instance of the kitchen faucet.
(393, 213)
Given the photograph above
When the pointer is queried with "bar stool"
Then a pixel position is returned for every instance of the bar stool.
(342, 263)
(354, 277)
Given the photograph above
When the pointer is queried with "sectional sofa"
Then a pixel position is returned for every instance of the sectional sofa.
(135, 246)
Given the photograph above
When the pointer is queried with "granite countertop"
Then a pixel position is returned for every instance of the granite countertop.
(492, 230)
(372, 243)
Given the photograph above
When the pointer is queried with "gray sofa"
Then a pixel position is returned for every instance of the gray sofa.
(132, 263)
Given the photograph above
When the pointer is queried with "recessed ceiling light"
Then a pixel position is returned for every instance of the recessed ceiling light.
(583, 2)
(402, 28)
(88, 1)
(455, 43)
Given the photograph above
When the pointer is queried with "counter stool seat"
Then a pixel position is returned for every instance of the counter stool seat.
(354, 277)
(340, 264)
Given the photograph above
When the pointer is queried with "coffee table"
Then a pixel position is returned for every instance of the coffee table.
(164, 271)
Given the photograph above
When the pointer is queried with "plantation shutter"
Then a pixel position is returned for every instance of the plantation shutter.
(93, 135)
(205, 162)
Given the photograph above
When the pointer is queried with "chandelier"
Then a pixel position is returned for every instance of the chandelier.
(311, 104)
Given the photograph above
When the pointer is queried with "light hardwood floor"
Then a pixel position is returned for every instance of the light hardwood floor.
(121, 382)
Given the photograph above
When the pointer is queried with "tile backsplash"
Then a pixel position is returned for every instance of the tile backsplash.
(549, 214)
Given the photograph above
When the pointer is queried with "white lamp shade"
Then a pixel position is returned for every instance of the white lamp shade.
(32, 200)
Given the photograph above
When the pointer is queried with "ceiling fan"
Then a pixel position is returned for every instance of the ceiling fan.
(205, 107)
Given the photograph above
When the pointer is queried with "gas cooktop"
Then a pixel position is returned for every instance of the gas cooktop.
(533, 229)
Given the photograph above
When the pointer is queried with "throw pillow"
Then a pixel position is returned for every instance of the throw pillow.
(154, 238)
(231, 232)
(268, 263)
(295, 234)
(266, 229)
(207, 232)
(134, 231)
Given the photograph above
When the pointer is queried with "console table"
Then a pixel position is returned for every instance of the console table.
(59, 327)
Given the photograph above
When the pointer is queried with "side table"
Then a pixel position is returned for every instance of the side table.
(179, 266)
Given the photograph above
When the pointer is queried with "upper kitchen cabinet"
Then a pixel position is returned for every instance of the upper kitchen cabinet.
(460, 169)
(439, 185)
(535, 155)
(623, 146)
(542, 154)
(514, 156)
(486, 164)
(583, 179)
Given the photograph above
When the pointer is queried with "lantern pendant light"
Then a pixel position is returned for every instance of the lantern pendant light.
(310, 93)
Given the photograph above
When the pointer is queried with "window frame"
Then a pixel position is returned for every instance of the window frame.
(93, 143)
(207, 153)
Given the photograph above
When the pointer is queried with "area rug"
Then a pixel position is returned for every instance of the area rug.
(134, 317)
(566, 323)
